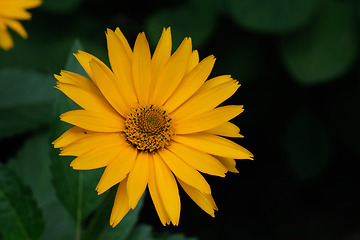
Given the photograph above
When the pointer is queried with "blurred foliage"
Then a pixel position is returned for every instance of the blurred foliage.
(63, 6)
(297, 62)
(25, 99)
(194, 18)
(20, 217)
(274, 16)
(58, 222)
(326, 49)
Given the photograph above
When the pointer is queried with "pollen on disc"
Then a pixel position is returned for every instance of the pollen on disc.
(148, 128)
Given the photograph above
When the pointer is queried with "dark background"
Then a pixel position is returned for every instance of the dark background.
(298, 65)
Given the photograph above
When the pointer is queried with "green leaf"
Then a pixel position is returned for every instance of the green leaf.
(272, 16)
(124, 228)
(20, 217)
(32, 53)
(47, 46)
(26, 99)
(61, 6)
(307, 145)
(142, 232)
(185, 21)
(35, 152)
(75, 189)
(325, 50)
(72, 64)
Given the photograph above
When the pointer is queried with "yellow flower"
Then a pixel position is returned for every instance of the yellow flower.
(10, 12)
(152, 122)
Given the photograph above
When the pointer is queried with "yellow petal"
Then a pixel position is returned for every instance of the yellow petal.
(214, 145)
(184, 171)
(21, 3)
(89, 100)
(14, 12)
(97, 158)
(172, 73)
(6, 42)
(2, 23)
(124, 42)
(17, 27)
(142, 68)
(208, 120)
(213, 82)
(193, 61)
(105, 81)
(162, 53)
(92, 142)
(229, 163)
(70, 136)
(120, 61)
(155, 195)
(204, 201)
(119, 58)
(121, 204)
(203, 101)
(75, 79)
(93, 121)
(118, 169)
(84, 59)
(190, 84)
(227, 129)
(168, 189)
(92, 92)
(138, 178)
(199, 160)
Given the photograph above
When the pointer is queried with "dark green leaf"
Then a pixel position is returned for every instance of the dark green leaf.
(307, 145)
(32, 166)
(32, 53)
(75, 189)
(72, 64)
(20, 217)
(272, 16)
(26, 99)
(185, 21)
(99, 220)
(61, 6)
(327, 49)
(142, 232)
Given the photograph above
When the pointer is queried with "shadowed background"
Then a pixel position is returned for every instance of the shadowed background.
(297, 62)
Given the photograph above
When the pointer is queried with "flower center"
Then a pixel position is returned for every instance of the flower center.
(148, 128)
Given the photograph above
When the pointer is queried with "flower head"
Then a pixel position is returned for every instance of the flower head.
(152, 121)
(10, 12)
